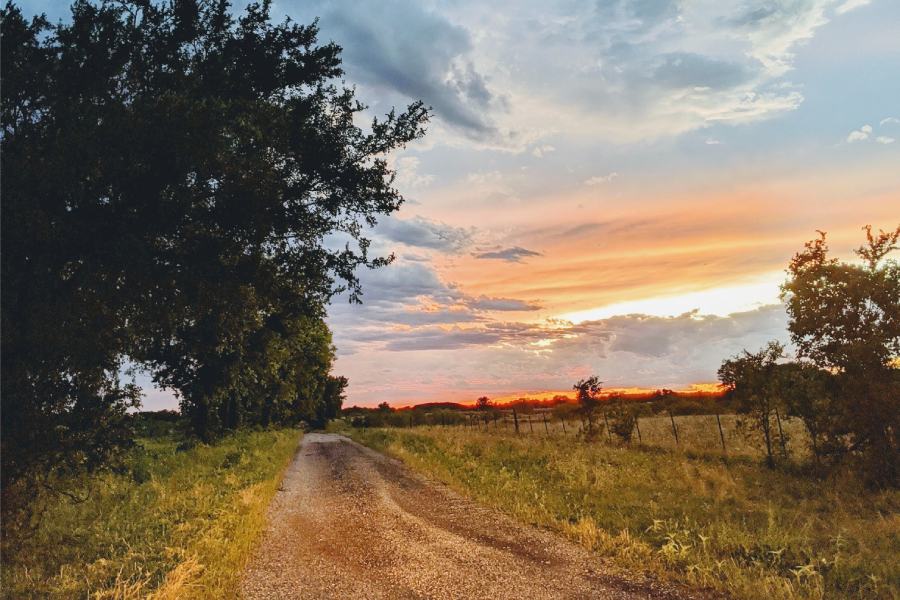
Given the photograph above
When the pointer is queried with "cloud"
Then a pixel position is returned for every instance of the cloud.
(412, 296)
(638, 335)
(687, 70)
(865, 132)
(632, 71)
(889, 121)
(774, 29)
(541, 151)
(860, 134)
(600, 179)
(514, 254)
(626, 69)
(424, 233)
(491, 357)
(408, 176)
(401, 47)
(502, 304)
(712, 142)
(849, 5)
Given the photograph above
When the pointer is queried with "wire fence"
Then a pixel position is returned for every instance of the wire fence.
(726, 435)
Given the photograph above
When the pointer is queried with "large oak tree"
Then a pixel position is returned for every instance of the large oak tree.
(184, 188)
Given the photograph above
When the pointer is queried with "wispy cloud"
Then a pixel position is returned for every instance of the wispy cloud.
(541, 151)
(424, 233)
(849, 5)
(514, 254)
(600, 179)
(408, 175)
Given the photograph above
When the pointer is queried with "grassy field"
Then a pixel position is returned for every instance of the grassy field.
(736, 526)
(696, 433)
(179, 524)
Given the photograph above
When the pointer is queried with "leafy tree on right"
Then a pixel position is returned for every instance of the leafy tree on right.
(845, 320)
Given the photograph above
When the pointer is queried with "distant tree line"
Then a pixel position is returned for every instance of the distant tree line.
(184, 190)
(384, 415)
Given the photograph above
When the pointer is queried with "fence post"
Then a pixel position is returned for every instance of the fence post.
(637, 426)
(546, 427)
(564, 425)
(516, 420)
(608, 432)
(721, 433)
(530, 426)
(674, 429)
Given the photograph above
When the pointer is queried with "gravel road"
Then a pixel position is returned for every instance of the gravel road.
(349, 522)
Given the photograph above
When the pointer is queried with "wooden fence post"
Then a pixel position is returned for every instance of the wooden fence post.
(564, 425)
(516, 420)
(674, 429)
(721, 434)
(637, 426)
(546, 427)
(530, 426)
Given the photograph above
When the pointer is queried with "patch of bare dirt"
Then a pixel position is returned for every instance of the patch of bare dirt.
(352, 523)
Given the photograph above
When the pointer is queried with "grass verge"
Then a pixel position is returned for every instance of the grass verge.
(180, 523)
(738, 527)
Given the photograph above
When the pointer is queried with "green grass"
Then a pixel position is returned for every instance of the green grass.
(177, 524)
(736, 527)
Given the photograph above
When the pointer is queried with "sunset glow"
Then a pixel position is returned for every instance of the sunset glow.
(606, 188)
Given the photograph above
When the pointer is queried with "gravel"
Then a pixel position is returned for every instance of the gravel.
(351, 523)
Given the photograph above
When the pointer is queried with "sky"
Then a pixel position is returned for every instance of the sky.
(611, 187)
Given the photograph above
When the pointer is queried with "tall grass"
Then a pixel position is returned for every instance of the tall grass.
(180, 523)
(696, 433)
(737, 527)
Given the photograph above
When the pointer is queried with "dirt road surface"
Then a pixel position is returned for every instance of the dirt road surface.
(349, 522)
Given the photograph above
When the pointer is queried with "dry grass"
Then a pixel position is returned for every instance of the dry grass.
(179, 524)
(696, 433)
(737, 527)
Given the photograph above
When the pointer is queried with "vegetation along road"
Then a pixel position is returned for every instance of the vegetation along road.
(349, 522)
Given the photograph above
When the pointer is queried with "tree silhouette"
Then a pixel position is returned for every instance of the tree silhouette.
(845, 318)
(170, 174)
(587, 393)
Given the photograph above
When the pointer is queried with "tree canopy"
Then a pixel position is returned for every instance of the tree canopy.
(845, 318)
(185, 189)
